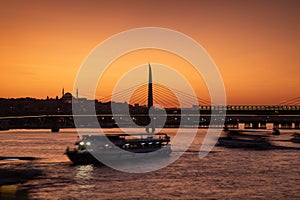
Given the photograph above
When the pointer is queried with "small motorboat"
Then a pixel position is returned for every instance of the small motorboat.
(235, 139)
(296, 138)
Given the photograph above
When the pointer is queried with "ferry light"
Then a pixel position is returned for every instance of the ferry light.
(88, 143)
(81, 143)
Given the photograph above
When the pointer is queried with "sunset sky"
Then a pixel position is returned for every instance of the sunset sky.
(255, 44)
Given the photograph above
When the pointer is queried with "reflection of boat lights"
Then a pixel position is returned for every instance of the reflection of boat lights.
(88, 143)
(84, 175)
(81, 143)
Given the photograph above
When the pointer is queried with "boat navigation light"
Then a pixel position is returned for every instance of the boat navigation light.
(127, 144)
(81, 143)
(88, 143)
(150, 143)
(157, 142)
(143, 143)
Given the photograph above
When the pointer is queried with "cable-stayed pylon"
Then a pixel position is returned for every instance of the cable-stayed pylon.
(165, 96)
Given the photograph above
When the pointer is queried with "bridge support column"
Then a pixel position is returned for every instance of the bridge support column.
(54, 125)
(255, 125)
(226, 127)
(235, 125)
(232, 126)
(275, 125)
(286, 126)
(247, 125)
(262, 125)
(4, 125)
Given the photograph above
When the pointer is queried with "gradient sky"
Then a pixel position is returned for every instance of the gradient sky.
(255, 44)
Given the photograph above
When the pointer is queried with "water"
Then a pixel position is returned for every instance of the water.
(223, 174)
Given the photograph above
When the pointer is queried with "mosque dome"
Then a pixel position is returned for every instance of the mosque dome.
(67, 97)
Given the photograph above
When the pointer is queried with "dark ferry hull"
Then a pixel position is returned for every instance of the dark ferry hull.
(85, 158)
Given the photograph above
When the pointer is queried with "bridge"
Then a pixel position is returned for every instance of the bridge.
(282, 117)
(57, 113)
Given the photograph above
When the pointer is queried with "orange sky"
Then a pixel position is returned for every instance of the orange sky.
(255, 44)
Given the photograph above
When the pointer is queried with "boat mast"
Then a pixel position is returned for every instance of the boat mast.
(150, 100)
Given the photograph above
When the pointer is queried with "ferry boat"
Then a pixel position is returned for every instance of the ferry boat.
(235, 139)
(92, 146)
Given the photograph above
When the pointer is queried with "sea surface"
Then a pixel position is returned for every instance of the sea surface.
(223, 174)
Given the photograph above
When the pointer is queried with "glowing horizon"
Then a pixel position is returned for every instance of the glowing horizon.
(254, 44)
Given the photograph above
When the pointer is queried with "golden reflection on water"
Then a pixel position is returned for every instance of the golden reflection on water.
(222, 174)
(8, 191)
(84, 175)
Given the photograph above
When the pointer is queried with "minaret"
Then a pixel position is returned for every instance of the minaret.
(76, 93)
(63, 92)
